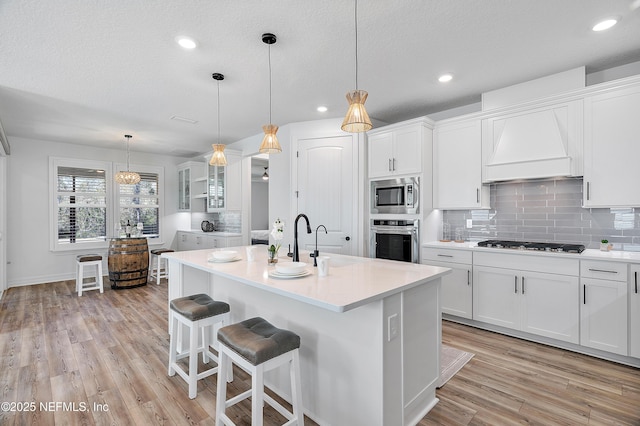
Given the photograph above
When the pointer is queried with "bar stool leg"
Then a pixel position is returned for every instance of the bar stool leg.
(296, 388)
(99, 277)
(221, 392)
(173, 345)
(158, 265)
(257, 397)
(79, 281)
(193, 361)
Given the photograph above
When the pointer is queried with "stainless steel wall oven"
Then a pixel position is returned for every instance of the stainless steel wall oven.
(395, 239)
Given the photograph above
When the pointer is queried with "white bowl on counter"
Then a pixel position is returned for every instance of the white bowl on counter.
(224, 254)
(291, 268)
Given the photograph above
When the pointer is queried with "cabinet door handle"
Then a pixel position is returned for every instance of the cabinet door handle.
(445, 255)
(394, 164)
(636, 279)
(515, 284)
(584, 294)
(389, 164)
(477, 195)
(603, 270)
(588, 191)
(469, 277)
(522, 285)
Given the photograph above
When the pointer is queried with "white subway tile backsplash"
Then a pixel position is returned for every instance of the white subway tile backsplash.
(547, 210)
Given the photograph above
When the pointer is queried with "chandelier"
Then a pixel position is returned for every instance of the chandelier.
(128, 177)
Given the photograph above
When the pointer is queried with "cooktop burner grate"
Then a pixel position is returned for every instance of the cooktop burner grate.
(528, 245)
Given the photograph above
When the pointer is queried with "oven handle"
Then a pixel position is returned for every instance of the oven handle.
(402, 231)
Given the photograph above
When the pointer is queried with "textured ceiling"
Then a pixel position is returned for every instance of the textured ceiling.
(88, 72)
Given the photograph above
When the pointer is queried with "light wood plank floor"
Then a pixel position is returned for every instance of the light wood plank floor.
(105, 357)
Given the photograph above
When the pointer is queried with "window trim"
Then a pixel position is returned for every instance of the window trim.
(54, 163)
(159, 170)
(112, 201)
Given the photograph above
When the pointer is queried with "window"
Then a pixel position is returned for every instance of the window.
(87, 207)
(139, 204)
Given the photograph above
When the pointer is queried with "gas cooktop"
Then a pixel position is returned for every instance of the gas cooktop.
(526, 245)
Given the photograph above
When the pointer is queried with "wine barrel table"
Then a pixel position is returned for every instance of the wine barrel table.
(128, 262)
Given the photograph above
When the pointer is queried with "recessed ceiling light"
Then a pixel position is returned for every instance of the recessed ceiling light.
(605, 24)
(322, 109)
(186, 42)
(445, 78)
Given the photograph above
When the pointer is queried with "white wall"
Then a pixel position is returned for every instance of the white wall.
(3, 223)
(28, 254)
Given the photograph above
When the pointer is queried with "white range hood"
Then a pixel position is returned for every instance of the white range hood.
(539, 140)
(533, 144)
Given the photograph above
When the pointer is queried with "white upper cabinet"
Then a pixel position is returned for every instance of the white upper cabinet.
(191, 186)
(533, 142)
(225, 184)
(457, 166)
(612, 148)
(396, 149)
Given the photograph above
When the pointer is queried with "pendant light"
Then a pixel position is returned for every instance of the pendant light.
(270, 144)
(218, 158)
(128, 177)
(265, 175)
(357, 120)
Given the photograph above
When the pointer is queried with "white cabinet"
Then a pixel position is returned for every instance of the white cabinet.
(224, 184)
(197, 241)
(533, 142)
(457, 166)
(457, 288)
(612, 148)
(634, 311)
(191, 186)
(523, 298)
(603, 308)
(396, 149)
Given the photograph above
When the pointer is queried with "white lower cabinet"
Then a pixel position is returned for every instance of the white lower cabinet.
(535, 302)
(197, 241)
(456, 293)
(603, 306)
(634, 311)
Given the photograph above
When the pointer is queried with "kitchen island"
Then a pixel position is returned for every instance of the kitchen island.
(370, 331)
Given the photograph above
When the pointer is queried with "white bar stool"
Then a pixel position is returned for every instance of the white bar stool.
(83, 261)
(158, 265)
(197, 312)
(257, 346)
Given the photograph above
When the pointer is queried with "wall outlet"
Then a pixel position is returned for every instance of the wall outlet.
(469, 223)
(392, 327)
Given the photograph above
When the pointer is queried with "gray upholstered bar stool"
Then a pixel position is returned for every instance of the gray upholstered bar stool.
(257, 346)
(158, 265)
(83, 261)
(197, 312)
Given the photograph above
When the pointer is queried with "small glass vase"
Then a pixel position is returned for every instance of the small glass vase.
(273, 257)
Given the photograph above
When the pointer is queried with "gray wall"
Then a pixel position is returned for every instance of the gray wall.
(547, 210)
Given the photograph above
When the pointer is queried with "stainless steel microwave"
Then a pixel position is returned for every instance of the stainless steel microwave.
(395, 196)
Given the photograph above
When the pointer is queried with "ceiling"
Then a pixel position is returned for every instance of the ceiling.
(87, 72)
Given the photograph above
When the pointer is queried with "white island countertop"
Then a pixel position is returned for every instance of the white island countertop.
(352, 281)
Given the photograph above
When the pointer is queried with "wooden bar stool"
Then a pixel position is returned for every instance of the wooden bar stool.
(197, 312)
(83, 261)
(257, 346)
(158, 265)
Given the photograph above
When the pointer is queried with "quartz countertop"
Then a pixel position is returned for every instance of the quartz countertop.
(352, 281)
(588, 254)
(216, 233)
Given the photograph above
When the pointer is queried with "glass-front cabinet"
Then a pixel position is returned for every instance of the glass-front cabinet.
(216, 198)
(191, 186)
(184, 189)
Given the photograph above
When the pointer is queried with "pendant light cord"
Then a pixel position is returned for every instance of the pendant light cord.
(356, 27)
(270, 84)
(128, 137)
(218, 111)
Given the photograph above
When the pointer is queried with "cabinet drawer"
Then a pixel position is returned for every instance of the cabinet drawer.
(613, 271)
(447, 255)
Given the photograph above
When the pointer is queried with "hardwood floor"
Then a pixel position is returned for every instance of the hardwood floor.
(102, 359)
